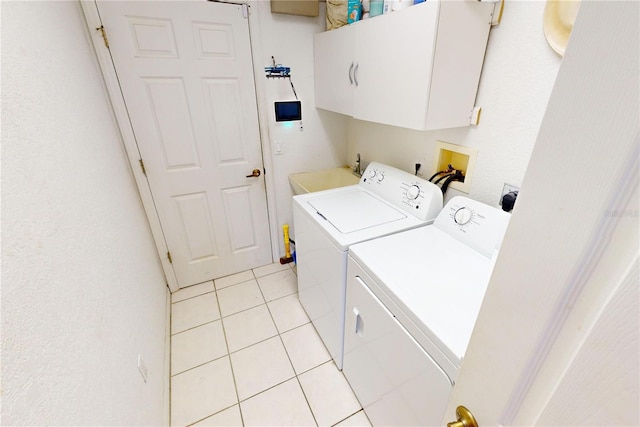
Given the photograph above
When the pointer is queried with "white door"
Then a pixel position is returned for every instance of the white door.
(186, 75)
(557, 338)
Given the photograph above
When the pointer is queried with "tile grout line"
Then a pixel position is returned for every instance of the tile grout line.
(236, 284)
(233, 375)
(351, 415)
(221, 410)
(228, 354)
(247, 309)
(278, 333)
(197, 326)
(270, 388)
(192, 297)
(291, 362)
(200, 365)
(192, 286)
(295, 375)
(256, 279)
(227, 286)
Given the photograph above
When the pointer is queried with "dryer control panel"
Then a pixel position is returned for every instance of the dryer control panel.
(412, 194)
(473, 223)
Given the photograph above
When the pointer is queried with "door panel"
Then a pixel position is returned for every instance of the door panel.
(237, 204)
(194, 218)
(213, 41)
(186, 76)
(153, 38)
(224, 111)
(168, 102)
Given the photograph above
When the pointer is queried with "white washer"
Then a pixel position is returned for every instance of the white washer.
(412, 301)
(385, 201)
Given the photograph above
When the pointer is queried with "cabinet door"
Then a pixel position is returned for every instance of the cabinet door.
(394, 56)
(333, 67)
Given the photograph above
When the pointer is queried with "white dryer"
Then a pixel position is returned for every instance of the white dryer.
(385, 201)
(412, 302)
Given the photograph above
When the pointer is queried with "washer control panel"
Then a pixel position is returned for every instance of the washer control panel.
(403, 190)
(414, 193)
(473, 223)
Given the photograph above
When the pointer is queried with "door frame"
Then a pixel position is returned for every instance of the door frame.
(128, 140)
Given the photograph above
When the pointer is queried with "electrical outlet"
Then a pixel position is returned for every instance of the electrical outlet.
(143, 368)
(507, 188)
(421, 168)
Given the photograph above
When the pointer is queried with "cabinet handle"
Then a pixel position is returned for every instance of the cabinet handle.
(355, 74)
(350, 71)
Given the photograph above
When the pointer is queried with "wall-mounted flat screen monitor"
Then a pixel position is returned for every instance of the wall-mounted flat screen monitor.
(288, 111)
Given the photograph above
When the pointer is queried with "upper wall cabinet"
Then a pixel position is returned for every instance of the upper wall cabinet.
(417, 68)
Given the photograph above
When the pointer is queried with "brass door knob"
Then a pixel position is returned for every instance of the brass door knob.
(465, 418)
(254, 174)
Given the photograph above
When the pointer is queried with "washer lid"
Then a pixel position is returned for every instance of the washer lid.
(355, 210)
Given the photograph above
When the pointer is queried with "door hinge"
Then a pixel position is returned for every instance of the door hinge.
(245, 11)
(169, 256)
(144, 171)
(104, 35)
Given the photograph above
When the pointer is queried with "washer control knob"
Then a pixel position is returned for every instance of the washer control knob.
(413, 192)
(372, 173)
(462, 216)
(380, 177)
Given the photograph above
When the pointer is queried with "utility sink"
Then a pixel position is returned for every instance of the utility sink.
(309, 182)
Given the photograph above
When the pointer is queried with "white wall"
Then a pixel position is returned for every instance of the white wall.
(518, 75)
(82, 290)
(517, 78)
(322, 143)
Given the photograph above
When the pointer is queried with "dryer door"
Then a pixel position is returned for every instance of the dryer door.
(395, 380)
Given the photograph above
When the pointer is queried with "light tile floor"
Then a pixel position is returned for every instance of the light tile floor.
(243, 352)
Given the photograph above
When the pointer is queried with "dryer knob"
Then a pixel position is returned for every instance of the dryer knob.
(462, 216)
(380, 177)
(372, 173)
